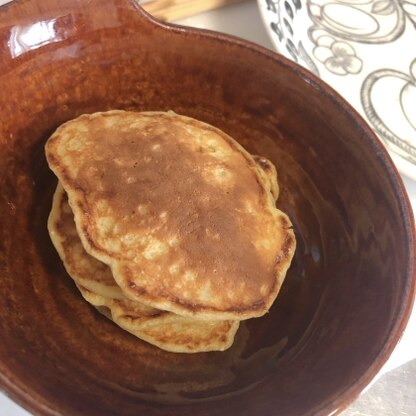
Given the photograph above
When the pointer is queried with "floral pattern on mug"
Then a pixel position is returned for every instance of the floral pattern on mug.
(338, 57)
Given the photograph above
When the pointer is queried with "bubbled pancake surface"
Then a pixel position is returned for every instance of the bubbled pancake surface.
(178, 210)
(85, 269)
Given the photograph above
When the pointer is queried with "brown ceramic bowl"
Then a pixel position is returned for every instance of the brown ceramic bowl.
(346, 298)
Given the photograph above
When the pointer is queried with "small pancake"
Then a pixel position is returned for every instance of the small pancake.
(97, 285)
(165, 330)
(179, 211)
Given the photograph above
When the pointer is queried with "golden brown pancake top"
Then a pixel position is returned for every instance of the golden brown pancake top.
(177, 209)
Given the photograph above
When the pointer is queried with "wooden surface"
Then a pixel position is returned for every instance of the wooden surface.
(179, 9)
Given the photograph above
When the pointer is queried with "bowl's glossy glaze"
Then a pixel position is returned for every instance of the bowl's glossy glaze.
(349, 291)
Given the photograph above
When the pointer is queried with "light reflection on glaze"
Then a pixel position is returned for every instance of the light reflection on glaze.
(24, 38)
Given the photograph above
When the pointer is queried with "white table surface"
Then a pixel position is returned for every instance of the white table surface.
(244, 20)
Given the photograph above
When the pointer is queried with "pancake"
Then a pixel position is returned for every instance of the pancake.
(180, 212)
(165, 330)
(97, 285)
(84, 269)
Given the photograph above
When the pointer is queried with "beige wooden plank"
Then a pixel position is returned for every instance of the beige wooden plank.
(169, 10)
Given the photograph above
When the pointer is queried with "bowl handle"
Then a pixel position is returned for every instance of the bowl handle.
(18, 10)
(26, 25)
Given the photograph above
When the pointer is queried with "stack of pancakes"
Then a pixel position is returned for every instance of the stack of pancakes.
(167, 226)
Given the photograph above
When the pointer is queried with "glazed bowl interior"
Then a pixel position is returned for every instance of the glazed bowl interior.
(346, 297)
